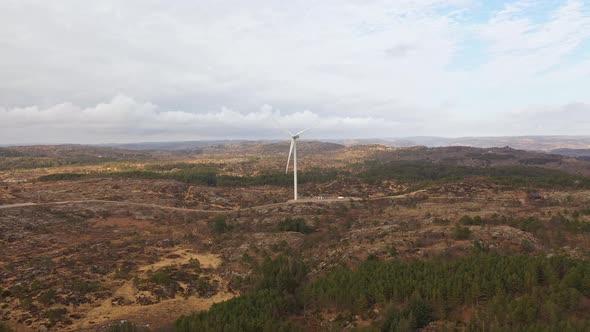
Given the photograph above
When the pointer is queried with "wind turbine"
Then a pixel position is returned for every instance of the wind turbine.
(293, 150)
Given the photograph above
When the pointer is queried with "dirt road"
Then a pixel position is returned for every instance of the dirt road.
(9, 206)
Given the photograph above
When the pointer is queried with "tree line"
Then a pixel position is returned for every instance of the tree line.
(508, 293)
(428, 172)
(206, 177)
(502, 293)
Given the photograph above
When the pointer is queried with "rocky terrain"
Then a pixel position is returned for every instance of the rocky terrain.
(90, 251)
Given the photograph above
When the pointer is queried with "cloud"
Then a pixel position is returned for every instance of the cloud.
(126, 119)
(570, 119)
(522, 47)
(402, 67)
(399, 50)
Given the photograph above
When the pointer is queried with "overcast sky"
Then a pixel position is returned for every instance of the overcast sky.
(146, 70)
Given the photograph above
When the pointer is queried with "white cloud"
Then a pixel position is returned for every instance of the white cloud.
(126, 119)
(571, 119)
(522, 48)
(374, 67)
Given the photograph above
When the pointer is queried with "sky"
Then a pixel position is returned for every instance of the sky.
(146, 70)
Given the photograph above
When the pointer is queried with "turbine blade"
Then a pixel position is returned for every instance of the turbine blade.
(290, 152)
(301, 132)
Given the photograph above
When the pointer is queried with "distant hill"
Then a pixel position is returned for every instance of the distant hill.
(168, 146)
(572, 152)
(262, 148)
(532, 143)
(316, 154)
(39, 156)
(69, 151)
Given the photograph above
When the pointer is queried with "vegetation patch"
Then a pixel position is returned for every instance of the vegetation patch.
(218, 224)
(170, 281)
(205, 176)
(461, 233)
(427, 172)
(263, 309)
(294, 225)
(56, 315)
(507, 293)
(510, 292)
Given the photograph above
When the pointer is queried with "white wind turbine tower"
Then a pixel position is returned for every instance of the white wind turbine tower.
(293, 150)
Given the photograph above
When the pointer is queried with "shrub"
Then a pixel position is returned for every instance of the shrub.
(461, 232)
(19, 291)
(195, 264)
(467, 220)
(27, 303)
(219, 224)
(46, 298)
(392, 251)
(440, 221)
(294, 225)
(85, 287)
(62, 176)
(160, 277)
(123, 272)
(203, 287)
(56, 315)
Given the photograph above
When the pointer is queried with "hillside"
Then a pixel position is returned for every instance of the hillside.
(143, 242)
(531, 143)
(43, 156)
(572, 152)
(70, 151)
